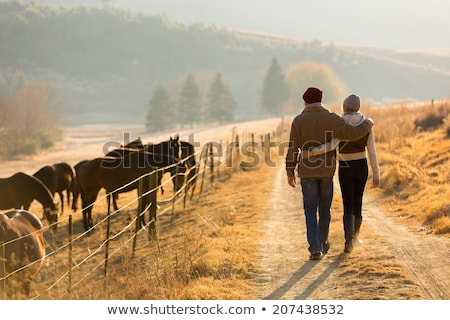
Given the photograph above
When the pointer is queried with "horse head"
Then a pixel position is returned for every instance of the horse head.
(175, 146)
(51, 214)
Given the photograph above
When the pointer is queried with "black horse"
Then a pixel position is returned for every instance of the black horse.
(19, 190)
(188, 156)
(116, 175)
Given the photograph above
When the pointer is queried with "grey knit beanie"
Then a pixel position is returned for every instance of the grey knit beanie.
(352, 103)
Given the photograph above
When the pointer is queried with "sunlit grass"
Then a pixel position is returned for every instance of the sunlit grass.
(414, 163)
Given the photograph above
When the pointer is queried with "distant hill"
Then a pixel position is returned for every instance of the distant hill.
(107, 61)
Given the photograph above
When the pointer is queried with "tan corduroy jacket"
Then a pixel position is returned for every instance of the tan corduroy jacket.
(314, 126)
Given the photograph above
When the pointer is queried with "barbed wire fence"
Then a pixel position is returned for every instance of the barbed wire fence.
(73, 259)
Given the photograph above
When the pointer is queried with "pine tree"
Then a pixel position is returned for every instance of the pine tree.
(275, 91)
(221, 103)
(160, 113)
(190, 105)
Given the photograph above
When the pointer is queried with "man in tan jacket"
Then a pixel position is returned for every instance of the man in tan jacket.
(314, 126)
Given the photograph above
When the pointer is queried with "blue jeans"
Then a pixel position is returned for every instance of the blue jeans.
(317, 196)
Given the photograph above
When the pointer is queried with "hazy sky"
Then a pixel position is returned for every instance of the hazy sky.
(402, 24)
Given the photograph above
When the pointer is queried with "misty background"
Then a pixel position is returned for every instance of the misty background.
(102, 60)
(394, 24)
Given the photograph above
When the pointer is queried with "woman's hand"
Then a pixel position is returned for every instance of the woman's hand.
(375, 183)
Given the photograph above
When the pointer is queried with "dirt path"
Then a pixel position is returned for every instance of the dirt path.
(393, 262)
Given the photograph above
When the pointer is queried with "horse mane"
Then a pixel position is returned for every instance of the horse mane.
(47, 176)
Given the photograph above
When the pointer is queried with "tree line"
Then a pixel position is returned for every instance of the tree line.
(189, 106)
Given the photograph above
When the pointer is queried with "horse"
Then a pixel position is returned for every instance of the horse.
(57, 178)
(20, 189)
(169, 147)
(123, 150)
(135, 144)
(76, 191)
(188, 155)
(24, 249)
(112, 173)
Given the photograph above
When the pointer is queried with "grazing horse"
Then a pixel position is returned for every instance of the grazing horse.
(57, 178)
(112, 173)
(19, 190)
(24, 249)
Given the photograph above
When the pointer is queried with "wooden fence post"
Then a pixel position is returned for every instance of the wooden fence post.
(186, 186)
(2, 270)
(236, 163)
(196, 169)
(205, 148)
(69, 289)
(267, 148)
(153, 204)
(211, 164)
(108, 223)
(138, 215)
(175, 193)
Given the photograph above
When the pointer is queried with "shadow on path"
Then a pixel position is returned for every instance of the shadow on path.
(301, 273)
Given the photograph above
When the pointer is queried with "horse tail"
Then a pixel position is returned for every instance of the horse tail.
(75, 193)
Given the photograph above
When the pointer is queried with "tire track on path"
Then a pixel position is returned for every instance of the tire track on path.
(427, 256)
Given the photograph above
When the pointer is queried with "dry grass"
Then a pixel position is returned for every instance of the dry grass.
(414, 165)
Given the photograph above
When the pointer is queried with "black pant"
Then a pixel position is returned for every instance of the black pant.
(352, 179)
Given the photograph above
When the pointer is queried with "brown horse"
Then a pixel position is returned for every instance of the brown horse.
(24, 248)
(112, 173)
(169, 147)
(76, 186)
(57, 178)
(19, 190)
(123, 150)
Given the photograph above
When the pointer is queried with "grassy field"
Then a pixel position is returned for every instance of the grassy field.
(413, 145)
